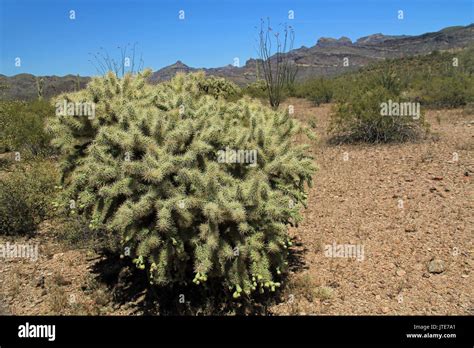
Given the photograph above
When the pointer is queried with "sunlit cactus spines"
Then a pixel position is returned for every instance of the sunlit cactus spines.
(146, 168)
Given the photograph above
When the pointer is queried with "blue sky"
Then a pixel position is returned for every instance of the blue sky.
(212, 33)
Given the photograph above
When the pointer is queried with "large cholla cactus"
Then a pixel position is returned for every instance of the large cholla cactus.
(196, 187)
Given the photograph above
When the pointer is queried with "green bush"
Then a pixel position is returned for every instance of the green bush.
(433, 79)
(447, 91)
(73, 230)
(25, 196)
(359, 118)
(319, 90)
(22, 127)
(257, 89)
(151, 172)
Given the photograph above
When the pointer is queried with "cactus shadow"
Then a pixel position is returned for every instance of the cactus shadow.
(296, 257)
(130, 289)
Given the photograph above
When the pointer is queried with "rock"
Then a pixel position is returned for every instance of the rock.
(385, 309)
(401, 273)
(57, 256)
(437, 178)
(40, 282)
(411, 228)
(436, 266)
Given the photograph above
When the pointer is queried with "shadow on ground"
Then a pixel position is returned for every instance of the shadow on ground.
(130, 287)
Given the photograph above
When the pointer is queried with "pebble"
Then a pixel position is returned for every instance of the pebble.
(436, 266)
(401, 272)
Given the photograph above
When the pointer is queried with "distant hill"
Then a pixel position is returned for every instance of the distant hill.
(325, 58)
(23, 86)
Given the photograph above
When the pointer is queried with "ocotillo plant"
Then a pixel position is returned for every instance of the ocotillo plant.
(279, 71)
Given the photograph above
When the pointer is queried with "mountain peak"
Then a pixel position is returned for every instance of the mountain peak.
(329, 41)
(179, 64)
(378, 38)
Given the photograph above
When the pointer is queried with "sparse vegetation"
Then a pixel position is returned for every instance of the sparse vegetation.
(257, 89)
(360, 118)
(319, 90)
(436, 80)
(25, 197)
(22, 127)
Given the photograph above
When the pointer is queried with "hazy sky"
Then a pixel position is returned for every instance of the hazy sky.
(212, 33)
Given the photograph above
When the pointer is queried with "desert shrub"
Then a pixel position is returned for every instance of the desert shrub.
(386, 78)
(152, 171)
(447, 91)
(257, 89)
(22, 127)
(359, 116)
(319, 90)
(25, 197)
(75, 231)
(433, 80)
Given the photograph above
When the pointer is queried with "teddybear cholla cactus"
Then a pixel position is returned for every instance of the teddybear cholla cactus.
(146, 169)
(217, 86)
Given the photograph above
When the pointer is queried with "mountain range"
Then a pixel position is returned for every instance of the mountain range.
(328, 57)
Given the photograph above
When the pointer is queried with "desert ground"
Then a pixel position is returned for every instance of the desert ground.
(409, 206)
